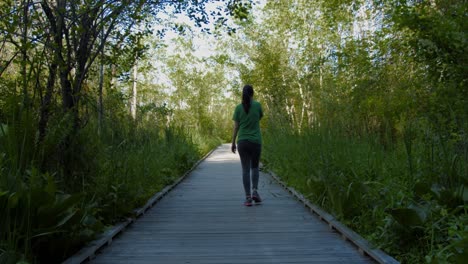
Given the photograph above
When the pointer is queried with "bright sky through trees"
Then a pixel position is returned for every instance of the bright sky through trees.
(204, 44)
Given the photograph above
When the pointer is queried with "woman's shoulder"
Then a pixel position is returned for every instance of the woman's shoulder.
(238, 108)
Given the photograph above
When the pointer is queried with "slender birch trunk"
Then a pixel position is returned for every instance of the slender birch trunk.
(133, 103)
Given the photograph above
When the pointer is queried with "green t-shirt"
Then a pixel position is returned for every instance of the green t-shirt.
(249, 124)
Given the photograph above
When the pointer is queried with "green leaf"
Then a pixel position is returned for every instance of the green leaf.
(461, 255)
(4, 193)
(13, 200)
(65, 202)
(58, 212)
(40, 198)
(3, 129)
(45, 233)
(65, 219)
(409, 217)
(51, 188)
(465, 193)
(421, 188)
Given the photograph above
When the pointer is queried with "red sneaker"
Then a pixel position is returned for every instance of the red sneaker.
(248, 201)
(256, 197)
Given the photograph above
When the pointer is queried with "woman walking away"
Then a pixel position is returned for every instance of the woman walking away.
(246, 118)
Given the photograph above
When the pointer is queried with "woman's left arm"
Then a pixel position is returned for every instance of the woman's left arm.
(234, 136)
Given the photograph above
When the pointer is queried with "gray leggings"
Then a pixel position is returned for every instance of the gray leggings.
(250, 157)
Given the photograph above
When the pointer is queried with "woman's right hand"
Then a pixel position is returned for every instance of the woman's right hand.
(233, 148)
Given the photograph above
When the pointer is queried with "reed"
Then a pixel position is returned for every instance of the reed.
(409, 199)
(49, 211)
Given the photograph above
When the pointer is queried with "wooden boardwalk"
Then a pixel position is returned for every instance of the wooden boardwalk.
(204, 221)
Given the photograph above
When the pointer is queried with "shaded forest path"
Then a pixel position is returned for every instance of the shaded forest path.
(203, 220)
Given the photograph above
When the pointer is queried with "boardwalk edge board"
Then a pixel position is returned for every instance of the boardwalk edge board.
(363, 245)
(88, 251)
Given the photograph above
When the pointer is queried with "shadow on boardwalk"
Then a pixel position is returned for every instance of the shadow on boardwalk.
(204, 221)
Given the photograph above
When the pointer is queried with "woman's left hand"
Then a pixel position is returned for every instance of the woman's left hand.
(233, 148)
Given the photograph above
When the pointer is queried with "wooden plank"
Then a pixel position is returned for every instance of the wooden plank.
(89, 251)
(203, 220)
(364, 247)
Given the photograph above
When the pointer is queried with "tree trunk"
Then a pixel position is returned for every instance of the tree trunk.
(100, 101)
(56, 24)
(101, 84)
(45, 105)
(113, 79)
(321, 68)
(133, 103)
(24, 53)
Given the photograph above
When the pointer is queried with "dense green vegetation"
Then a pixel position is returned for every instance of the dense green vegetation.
(371, 97)
(99, 110)
(85, 135)
(49, 214)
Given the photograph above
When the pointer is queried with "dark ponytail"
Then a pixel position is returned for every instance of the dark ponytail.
(247, 94)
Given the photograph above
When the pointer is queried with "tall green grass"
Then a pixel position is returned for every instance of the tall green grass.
(410, 199)
(54, 199)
